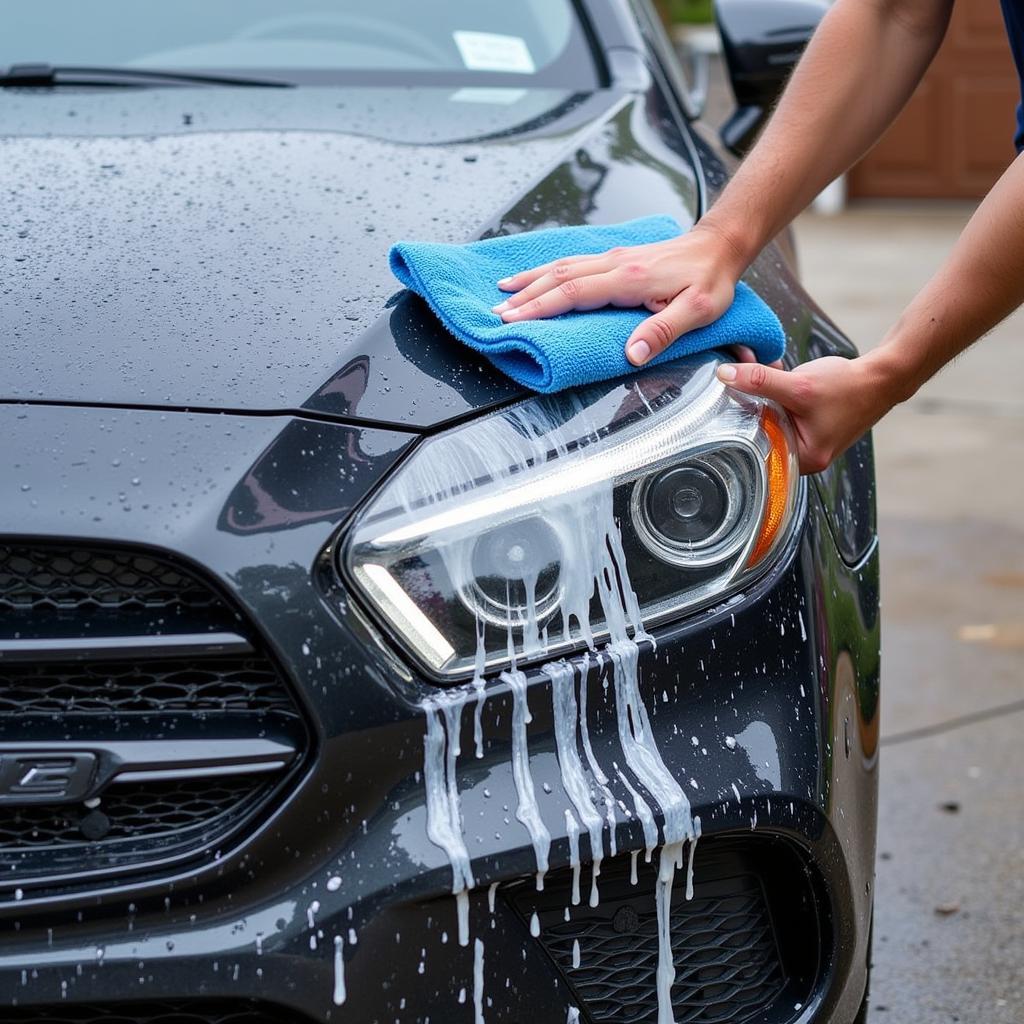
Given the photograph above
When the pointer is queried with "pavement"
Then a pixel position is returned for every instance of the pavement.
(949, 924)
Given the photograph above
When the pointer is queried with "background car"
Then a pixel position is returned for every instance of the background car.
(339, 679)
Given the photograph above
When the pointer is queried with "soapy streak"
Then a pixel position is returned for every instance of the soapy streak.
(478, 981)
(574, 781)
(527, 810)
(593, 562)
(642, 756)
(444, 814)
(339, 971)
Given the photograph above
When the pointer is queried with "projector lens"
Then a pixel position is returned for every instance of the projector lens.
(696, 514)
(513, 566)
(686, 505)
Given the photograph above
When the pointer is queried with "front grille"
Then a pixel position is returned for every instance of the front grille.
(104, 646)
(235, 683)
(203, 1011)
(732, 963)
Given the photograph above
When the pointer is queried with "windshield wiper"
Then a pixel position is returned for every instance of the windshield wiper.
(43, 75)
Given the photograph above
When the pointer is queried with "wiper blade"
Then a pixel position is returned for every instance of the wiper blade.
(42, 75)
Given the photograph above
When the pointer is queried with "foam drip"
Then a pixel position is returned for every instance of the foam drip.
(478, 981)
(339, 994)
(567, 715)
(527, 810)
(444, 815)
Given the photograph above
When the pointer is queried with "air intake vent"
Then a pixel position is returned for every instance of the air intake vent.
(140, 722)
(733, 964)
(204, 1011)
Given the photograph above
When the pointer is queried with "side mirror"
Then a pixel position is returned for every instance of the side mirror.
(761, 41)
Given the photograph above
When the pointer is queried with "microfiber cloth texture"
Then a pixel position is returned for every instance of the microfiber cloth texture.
(460, 284)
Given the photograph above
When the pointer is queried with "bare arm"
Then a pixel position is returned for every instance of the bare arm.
(860, 68)
(858, 71)
(834, 401)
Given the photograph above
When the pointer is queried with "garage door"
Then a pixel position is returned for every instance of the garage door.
(955, 137)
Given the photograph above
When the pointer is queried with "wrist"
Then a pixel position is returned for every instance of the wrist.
(890, 374)
(734, 251)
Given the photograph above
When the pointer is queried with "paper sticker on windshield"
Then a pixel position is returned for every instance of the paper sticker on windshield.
(502, 97)
(488, 51)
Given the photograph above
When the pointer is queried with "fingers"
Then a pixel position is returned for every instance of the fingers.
(743, 354)
(525, 278)
(557, 275)
(784, 387)
(589, 292)
(686, 312)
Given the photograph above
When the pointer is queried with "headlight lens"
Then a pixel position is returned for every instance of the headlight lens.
(499, 538)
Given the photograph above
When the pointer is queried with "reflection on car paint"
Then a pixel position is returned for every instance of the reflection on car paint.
(759, 743)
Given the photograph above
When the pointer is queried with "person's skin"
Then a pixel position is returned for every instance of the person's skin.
(859, 69)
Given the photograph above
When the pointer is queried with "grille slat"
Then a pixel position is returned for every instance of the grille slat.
(177, 645)
(142, 649)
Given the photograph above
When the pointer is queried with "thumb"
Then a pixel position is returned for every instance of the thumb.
(686, 312)
(757, 379)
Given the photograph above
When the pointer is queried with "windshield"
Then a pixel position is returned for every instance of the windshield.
(484, 41)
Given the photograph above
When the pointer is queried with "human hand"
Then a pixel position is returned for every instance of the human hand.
(686, 282)
(831, 401)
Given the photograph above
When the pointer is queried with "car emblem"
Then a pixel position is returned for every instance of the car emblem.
(28, 778)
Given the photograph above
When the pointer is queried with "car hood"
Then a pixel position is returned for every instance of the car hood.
(227, 248)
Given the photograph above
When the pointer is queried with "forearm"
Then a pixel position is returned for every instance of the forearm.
(979, 284)
(859, 70)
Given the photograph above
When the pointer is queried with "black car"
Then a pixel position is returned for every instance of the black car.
(340, 680)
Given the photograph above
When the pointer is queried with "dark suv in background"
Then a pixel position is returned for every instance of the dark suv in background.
(340, 680)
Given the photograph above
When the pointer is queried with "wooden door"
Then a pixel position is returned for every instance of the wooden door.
(955, 136)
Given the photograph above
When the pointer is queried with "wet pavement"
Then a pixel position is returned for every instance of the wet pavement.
(949, 926)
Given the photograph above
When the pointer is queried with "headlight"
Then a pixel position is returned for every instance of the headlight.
(505, 538)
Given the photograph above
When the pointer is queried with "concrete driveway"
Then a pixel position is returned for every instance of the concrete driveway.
(949, 927)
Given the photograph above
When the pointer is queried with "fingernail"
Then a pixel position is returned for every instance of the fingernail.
(727, 372)
(504, 281)
(500, 307)
(639, 352)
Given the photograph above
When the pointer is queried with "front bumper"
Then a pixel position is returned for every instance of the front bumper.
(766, 708)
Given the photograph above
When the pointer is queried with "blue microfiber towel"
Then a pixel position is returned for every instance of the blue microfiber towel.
(460, 284)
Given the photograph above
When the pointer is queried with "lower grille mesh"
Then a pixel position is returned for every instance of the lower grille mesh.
(205, 1011)
(729, 964)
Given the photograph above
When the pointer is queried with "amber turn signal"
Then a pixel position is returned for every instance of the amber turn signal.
(778, 465)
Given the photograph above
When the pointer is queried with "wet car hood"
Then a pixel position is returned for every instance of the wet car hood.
(227, 248)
